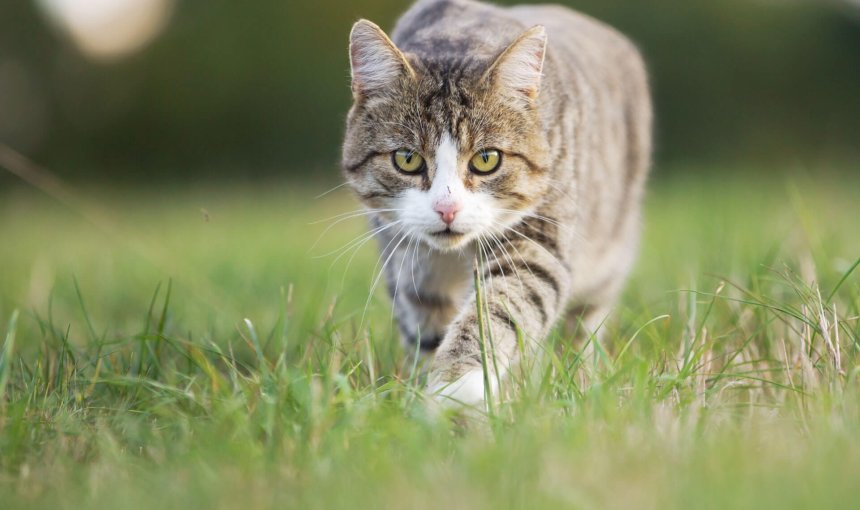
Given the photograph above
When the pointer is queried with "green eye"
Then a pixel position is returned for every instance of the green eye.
(408, 161)
(486, 161)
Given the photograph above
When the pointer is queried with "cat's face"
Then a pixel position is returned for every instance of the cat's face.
(446, 152)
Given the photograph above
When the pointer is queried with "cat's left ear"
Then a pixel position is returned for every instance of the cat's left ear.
(519, 68)
(376, 62)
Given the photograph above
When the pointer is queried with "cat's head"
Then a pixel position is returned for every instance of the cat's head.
(451, 149)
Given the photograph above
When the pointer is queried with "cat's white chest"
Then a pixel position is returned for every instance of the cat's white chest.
(446, 273)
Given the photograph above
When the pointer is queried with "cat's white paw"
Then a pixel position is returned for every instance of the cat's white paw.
(468, 390)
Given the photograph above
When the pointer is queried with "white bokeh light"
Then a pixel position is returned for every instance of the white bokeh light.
(109, 29)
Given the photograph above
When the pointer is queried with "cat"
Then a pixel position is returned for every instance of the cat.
(518, 137)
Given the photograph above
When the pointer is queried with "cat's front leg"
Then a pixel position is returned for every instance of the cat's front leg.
(470, 363)
(521, 297)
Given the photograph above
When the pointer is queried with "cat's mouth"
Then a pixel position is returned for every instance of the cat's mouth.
(447, 233)
(447, 239)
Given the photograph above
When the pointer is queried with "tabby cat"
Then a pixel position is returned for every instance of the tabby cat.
(518, 137)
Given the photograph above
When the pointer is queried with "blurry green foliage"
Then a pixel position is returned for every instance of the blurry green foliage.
(261, 88)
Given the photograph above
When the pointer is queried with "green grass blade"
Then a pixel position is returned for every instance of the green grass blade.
(842, 280)
(6, 355)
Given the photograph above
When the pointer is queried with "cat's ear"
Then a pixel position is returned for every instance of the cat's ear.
(376, 62)
(519, 68)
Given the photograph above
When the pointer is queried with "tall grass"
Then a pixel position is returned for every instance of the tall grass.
(727, 377)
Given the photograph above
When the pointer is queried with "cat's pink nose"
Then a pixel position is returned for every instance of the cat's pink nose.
(447, 210)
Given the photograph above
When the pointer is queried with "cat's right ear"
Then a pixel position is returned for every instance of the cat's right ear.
(376, 62)
(519, 69)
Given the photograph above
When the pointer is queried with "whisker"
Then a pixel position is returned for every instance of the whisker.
(504, 228)
(329, 191)
(383, 251)
(537, 244)
(511, 260)
(399, 273)
(381, 271)
(536, 216)
(481, 247)
(551, 221)
(412, 267)
(357, 239)
(562, 191)
(355, 251)
(353, 214)
(344, 217)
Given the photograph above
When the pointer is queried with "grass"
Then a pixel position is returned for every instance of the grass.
(195, 349)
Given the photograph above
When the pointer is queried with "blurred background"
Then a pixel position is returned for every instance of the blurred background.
(113, 91)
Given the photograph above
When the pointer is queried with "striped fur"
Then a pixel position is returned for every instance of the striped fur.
(557, 223)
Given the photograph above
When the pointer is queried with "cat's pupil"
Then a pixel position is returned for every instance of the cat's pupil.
(485, 156)
(409, 158)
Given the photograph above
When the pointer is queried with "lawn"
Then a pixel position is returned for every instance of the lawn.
(212, 347)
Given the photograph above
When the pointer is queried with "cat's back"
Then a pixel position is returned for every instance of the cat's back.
(455, 29)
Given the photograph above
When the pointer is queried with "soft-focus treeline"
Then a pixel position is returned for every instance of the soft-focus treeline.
(260, 88)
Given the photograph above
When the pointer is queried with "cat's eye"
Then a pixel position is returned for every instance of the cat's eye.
(408, 161)
(485, 161)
